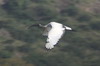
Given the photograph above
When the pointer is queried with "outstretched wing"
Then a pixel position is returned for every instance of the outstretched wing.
(53, 37)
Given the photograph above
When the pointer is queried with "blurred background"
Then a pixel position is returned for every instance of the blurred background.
(22, 47)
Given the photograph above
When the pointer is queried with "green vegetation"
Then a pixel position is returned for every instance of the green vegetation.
(22, 47)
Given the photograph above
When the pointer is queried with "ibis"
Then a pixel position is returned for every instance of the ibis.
(54, 32)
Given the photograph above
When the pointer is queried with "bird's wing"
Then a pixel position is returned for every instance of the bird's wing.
(53, 37)
(48, 27)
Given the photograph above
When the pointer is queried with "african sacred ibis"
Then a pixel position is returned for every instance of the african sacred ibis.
(54, 31)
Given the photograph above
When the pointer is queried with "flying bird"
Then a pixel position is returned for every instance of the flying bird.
(54, 31)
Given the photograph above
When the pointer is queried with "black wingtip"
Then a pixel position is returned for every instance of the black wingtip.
(74, 30)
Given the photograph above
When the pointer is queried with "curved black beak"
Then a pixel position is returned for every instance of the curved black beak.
(34, 25)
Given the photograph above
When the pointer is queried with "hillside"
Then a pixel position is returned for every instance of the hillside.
(22, 47)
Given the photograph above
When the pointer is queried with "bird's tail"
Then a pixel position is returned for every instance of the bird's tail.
(67, 28)
(49, 46)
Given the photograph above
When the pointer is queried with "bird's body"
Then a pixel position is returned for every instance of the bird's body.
(54, 31)
(54, 35)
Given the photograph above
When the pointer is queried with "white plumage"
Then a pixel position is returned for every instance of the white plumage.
(54, 31)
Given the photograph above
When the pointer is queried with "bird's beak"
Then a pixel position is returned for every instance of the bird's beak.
(32, 26)
(29, 27)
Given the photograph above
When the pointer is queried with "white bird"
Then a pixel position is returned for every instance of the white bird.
(54, 31)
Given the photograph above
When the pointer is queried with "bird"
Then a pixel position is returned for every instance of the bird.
(54, 32)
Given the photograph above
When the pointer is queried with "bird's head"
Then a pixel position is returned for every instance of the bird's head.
(36, 25)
